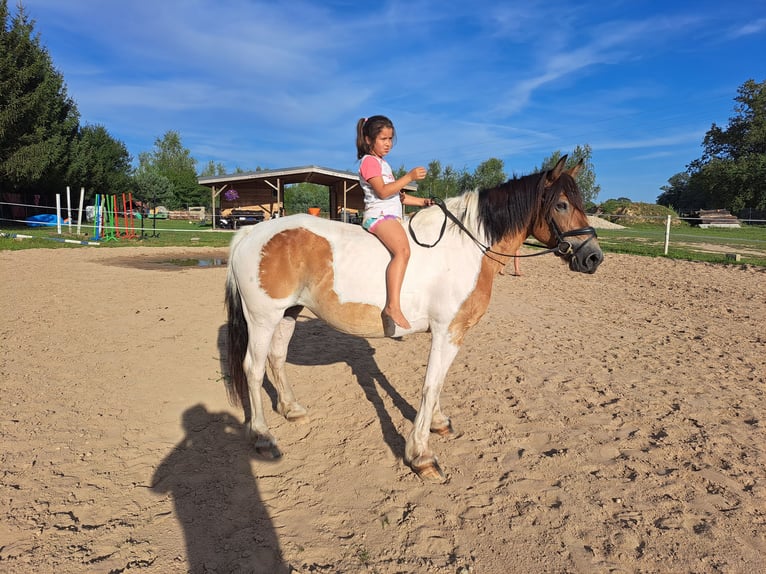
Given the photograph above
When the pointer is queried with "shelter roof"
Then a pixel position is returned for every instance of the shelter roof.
(290, 175)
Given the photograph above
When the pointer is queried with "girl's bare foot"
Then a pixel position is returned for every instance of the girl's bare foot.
(398, 318)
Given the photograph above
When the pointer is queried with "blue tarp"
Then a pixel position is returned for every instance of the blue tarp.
(43, 220)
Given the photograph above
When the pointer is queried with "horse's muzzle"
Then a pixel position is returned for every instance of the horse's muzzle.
(586, 259)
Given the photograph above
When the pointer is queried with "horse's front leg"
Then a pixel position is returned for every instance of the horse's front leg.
(287, 405)
(418, 453)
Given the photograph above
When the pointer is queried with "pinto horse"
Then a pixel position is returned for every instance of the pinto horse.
(337, 270)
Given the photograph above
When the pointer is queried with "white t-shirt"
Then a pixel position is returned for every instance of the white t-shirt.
(373, 166)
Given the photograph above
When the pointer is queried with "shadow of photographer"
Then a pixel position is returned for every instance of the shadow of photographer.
(226, 526)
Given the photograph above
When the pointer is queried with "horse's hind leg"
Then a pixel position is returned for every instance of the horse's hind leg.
(255, 367)
(287, 405)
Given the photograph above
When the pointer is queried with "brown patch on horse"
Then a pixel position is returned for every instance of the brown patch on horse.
(475, 305)
(297, 260)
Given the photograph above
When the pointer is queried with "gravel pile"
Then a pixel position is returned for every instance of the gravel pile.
(599, 223)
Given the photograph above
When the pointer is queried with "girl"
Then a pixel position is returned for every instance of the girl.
(383, 199)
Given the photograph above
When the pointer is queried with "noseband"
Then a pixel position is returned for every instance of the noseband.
(563, 248)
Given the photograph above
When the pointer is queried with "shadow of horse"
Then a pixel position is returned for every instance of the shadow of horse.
(338, 347)
(226, 525)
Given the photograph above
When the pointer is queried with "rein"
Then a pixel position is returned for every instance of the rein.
(563, 248)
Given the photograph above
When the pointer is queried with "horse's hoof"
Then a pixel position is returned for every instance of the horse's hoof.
(446, 431)
(430, 472)
(269, 452)
(295, 414)
(297, 417)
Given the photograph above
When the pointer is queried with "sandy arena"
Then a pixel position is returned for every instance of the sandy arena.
(609, 423)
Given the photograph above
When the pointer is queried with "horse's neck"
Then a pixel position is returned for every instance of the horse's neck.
(503, 250)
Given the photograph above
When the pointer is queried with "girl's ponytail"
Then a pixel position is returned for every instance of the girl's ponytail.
(361, 145)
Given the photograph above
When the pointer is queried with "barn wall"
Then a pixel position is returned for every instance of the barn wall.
(252, 195)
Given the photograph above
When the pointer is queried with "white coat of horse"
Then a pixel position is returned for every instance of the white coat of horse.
(337, 270)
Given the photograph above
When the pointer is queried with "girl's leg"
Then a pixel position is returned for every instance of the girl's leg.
(516, 269)
(392, 235)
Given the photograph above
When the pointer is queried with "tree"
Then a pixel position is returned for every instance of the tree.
(213, 169)
(174, 162)
(300, 196)
(38, 121)
(489, 174)
(586, 178)
(732, 169)
(443, 183)
(431, 185)
(680, 194)
(153, 189)
(99, 163)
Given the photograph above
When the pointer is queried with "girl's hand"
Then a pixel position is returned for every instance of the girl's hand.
(418, 173)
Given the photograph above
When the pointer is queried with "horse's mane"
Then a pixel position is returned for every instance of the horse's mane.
(512, 206)
(490, 214)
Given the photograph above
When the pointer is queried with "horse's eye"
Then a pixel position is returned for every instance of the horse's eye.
(562, 206)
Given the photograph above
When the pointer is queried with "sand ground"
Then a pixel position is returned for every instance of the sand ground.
(608, 423)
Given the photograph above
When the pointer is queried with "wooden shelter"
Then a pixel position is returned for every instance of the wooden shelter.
(266, 188)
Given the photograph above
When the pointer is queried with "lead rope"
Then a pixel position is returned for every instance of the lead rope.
(484, 248)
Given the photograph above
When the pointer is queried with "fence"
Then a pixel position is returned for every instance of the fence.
(743, 241)
(642, 234)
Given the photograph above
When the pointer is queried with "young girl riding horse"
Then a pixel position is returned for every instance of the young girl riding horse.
(383, 200)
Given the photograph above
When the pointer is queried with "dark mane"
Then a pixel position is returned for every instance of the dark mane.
(511, 207)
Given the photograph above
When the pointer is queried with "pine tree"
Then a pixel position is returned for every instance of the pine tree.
(38, 121)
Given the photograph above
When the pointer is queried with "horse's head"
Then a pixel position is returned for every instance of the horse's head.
(562, 223)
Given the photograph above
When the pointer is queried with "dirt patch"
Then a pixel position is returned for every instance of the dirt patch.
(609, 423)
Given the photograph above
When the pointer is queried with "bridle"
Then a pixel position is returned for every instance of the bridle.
(563, 247)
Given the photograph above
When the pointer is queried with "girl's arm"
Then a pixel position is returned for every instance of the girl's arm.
(386, 190)
(412, 200)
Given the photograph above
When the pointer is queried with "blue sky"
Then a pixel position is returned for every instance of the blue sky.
(277, 84)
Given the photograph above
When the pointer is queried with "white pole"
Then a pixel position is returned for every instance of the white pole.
(212, 203)
(79, 214)
(667, 234)
(68, 209)
(58, 213)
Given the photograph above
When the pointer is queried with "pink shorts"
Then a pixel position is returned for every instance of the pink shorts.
(370, 223)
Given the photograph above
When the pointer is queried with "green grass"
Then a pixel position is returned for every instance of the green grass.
(156, 233)
(690, 243)
(686, 242)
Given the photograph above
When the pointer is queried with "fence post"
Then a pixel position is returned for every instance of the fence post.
(79, 213)
(58, 213)
(667, 234)
(68, 209)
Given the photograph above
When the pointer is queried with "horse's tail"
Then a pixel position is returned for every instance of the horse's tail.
(236, 343)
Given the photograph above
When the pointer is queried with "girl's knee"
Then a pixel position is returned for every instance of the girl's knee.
(402, 253)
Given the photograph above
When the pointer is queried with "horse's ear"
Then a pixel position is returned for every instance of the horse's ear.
(576, 169)
(555, 173)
